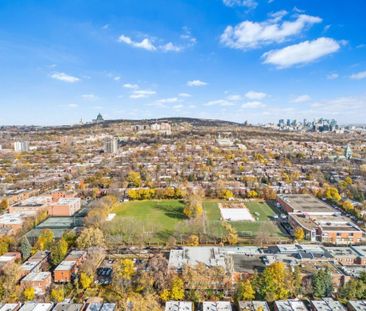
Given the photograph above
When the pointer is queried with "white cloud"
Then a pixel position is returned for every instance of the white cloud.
(219, 102)
(253, 95)
(151, 44)
(248, 34)
(168, 100)
(234, 98)
(184, 95)
(143, 44)
(117, 78)
(170, 47)
(301, 53)
(89, 97)
(188, 37)
(73, 105)
(178, 107)
(348, 105)
(301, 99)
(253, 105)
(130, 86)
(138, 94)
(250, 4)
(359, 75)
(332, 76)
(196, 83)
(64, 77)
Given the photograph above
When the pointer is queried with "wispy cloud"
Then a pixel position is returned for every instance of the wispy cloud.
(139, 94)
(332, 76)
(219, 102)
(89, 97)
(301, 99)
(61, 76)
(155, 44)
(196, 83)
(250, 4)
(184, 95)
(301, 53)
(249, 34)
(359, 75)
(145, 44)
(254, 95)
(253, 105)
(130, 86)
(169, 100)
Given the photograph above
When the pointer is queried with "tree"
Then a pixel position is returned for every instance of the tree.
(57, 294)
(332, 194)
(29, 293)
(59, 251)
(90, 237)
(274, 282)
(322, 283)
(134, 179)
(231, 236)
(245, 291)
(137, 302)
(299, 234)
(193, 240)
(124, 269)
(224, 194)
(177, 291)
(85, 280)
(194, 207)
(9, 279)
(25, 247)
(165, 295)
(4, 204)
(252, 194)
(45, 240)
(4, 246)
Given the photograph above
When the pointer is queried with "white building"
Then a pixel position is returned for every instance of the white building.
(21, 146)
(111, 145)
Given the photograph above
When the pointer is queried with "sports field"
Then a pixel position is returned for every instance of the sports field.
(161, 218)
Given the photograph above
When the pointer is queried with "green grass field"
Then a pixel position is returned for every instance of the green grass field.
(263, 214)
(165, 215)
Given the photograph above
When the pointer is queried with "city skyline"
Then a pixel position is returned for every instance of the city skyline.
(233, 60)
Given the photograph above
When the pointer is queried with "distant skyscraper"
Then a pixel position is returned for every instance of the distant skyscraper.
(111, 145)
(21, 146)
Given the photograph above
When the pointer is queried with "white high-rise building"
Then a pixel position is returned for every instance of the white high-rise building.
(21, 146)
(111, 145)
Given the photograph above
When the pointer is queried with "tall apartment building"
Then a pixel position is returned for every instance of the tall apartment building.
(111, 145)
(21, 146)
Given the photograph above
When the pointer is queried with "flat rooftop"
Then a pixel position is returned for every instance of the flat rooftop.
(37, 276)
(253, 306)
(179, 306)
(290, 305)
(65, 266)
(210, 256)
(358, 305)
(216, 306)
(306, 203)
(68, 307)
(327, 304)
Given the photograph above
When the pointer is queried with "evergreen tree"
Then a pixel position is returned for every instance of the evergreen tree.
(322, 283)
(25, 247)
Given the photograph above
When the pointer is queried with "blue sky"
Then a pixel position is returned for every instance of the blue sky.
(255, 60)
